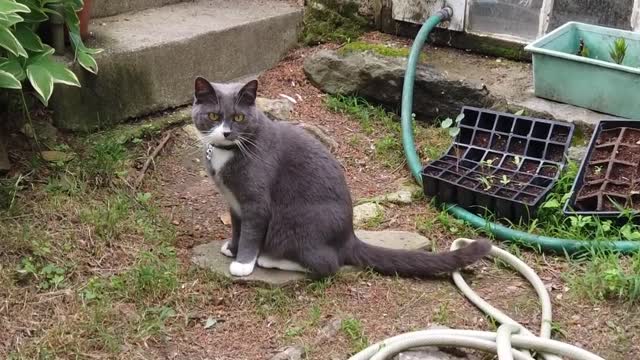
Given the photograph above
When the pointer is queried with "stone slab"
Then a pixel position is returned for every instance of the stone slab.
(104, 8)
(152, 57)
(208, 256)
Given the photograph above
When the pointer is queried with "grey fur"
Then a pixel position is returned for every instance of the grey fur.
(293, 196)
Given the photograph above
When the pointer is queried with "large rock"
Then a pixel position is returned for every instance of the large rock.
(380, 79)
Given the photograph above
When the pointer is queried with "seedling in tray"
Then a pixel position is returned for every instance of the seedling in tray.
(502, 162)
(453, 131)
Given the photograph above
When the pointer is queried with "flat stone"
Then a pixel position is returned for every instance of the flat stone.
(365, 212)
(55, 156)
(290, 353)
(577, 153)
(192, 132)
(393, 239)
(208, 256)
(104, 8)
(152, 57)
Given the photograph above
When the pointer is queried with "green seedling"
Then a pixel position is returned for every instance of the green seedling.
(618, 50)
(597, 170)
(487, 182)
(518, 161)
(453, 127)
(505, 180)
(583, 50)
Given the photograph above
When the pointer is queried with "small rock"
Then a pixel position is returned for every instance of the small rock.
(402, 240)
(192, 132)
(226, 218)
(577, 153)
(365, 212)
(275, 109)
(56, 156)
(321, 135)
(328, 332)
(290, 353)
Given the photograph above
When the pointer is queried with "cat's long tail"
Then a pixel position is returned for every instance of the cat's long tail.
(408, 263)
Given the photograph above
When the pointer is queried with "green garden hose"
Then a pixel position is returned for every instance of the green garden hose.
(511, 341)
(543, 243)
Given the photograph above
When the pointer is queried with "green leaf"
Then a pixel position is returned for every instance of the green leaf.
(41, 81)
(519, 112)
(551, 204)
(8, 20)
(447, 123)
(9, 42)
(61, 74)
(14, 67)
(459, 118)
(10, 6)
(28, 38)
(8, 81)
(453, 132)
(88, 62)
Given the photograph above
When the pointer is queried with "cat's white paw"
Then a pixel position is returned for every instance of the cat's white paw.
(225, 249)
(240, 269)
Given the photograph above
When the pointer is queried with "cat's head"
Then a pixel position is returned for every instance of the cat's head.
(225, 114)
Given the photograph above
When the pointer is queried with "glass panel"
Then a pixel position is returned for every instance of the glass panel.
(518, 18)
(611, 13)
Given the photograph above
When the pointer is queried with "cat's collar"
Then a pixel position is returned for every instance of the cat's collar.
(210, 148)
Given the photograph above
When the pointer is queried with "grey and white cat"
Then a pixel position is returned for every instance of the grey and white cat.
(290, 205)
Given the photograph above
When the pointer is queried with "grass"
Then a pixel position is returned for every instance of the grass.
(352, 329)
(385, 129)
(331, 21)
(380, 49)
(270, 301)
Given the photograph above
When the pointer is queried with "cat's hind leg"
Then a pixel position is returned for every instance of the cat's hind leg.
(322, 261)
(270, 262)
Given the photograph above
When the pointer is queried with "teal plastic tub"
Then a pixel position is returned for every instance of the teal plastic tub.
(594, 82)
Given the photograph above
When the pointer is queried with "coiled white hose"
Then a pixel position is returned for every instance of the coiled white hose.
(510, 341)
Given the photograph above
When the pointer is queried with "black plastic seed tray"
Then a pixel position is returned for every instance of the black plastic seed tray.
(609, 175)
(500, 162)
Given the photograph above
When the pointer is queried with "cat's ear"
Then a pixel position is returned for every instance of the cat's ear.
(204, 91)
(247, 95)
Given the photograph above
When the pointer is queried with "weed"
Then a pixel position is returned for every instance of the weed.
(367, 115)
(387, 150)
(332, 21)
(375, 221)
(352, 328)
(319, 287)
(442, 315)
(453, 129)
(9, 189)
(48, 276)
(106, 162)
(272, 301)
(108, 219)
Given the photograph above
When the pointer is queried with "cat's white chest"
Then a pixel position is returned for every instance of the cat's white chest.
(218, 159)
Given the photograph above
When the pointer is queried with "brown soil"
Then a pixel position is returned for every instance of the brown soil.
(596, 172)
(629, 154)
(523, 178)
(533, 190)
(631, 136)
(548, 170)
(481, 139)
(613, 203)
(432, 171)
(621, 172)
(510, 163)
(493, 158)
(469, 183)
(517, 145)
(623, 190)
(554, 153)
(529, 166)
(589, 190)
(608, 136)
(499, 143)
(601, 153)
(559, 134)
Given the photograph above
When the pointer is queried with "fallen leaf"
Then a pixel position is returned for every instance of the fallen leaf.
(55, 156)
(226, 218)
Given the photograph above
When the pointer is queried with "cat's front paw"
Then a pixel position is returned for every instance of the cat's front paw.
(225, 249)
(240, 269)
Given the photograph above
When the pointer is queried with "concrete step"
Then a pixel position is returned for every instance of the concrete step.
(152, 57)
(105, 8)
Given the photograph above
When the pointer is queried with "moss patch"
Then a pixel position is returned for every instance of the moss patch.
(380, 49)
(332, 21)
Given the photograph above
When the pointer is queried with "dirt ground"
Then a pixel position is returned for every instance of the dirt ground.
(255, 322)
(385, 306)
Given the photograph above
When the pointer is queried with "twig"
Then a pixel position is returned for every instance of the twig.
(153, 155)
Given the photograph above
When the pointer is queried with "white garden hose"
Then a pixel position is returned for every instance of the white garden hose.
(511, 341)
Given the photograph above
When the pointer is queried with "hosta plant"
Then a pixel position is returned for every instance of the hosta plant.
(23, 55)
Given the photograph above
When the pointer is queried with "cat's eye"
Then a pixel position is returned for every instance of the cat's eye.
(214, 117)
(238, 117)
